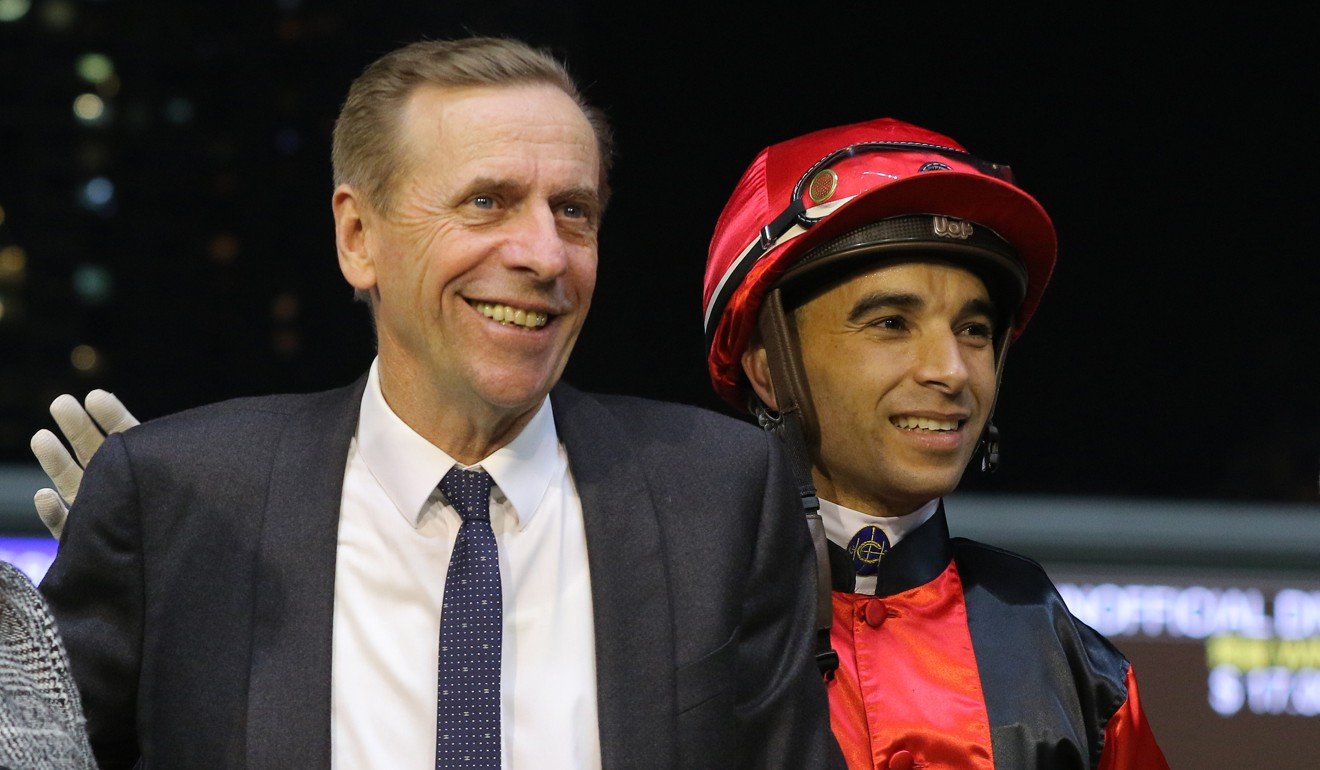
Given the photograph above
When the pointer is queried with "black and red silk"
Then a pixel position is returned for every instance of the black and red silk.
(966, 657)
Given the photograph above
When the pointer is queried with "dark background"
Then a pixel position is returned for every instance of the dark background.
(1174, 355)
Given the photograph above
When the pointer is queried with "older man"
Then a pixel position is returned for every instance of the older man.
(863, 285)
(453, 562)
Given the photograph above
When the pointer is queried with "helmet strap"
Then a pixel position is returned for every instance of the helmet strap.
(989, 443)
(787, 374)
(989, 447)
(793, 422)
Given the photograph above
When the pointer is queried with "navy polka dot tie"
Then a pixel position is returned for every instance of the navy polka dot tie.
(467, 728)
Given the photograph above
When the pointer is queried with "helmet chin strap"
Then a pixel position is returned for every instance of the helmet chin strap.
(794, 423)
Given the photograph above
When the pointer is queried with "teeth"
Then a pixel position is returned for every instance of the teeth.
(924, 423)
(510, 315)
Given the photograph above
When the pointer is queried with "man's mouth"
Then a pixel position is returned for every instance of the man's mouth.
(512, 316)
(933, 424)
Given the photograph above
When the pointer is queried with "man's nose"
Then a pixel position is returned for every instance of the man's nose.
(537, 245)
(941, 363)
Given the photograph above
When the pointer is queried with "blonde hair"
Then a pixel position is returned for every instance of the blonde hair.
(364, 152)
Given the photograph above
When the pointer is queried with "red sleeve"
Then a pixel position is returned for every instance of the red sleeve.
(1129, 742)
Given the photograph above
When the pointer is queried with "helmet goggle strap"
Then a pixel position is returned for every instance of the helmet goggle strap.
(826, 185)
(818, 183)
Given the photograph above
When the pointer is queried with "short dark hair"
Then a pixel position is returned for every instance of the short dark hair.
(365, 144)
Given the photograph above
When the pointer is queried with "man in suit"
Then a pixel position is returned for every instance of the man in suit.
(455, 561)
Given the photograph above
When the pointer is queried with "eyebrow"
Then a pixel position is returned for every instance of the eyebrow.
(906, 301)
(880, 299)
(502, 186)
(979, 307)
(578, 194)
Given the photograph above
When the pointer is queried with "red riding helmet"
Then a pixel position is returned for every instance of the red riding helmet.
(882, 185)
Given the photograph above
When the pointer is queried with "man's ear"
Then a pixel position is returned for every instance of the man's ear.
(756, 365)
(351, 218)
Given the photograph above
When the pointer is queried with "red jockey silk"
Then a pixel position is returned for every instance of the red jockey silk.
(1129, 741)
(909, 694)
(907, 691)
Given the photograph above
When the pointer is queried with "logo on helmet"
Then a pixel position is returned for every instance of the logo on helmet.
(953, 228)
(823, 185)
(933, 165)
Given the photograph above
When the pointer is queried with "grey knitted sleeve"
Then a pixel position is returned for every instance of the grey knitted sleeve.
(41, 719)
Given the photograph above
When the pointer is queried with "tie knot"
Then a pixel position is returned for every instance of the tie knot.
(468, 492)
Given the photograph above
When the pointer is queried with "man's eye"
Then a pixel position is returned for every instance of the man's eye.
(579, 211)
(978, 330)
(483, 201)
(883, 324)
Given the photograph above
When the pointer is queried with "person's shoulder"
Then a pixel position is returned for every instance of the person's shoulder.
(273, 404)
(648, 416)
(1021, 582)
(238, 419)
(1013, 569)
(1012, 577)
(676, 443)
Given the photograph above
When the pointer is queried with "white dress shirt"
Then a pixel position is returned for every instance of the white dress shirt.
(842, 523)
(396, 534)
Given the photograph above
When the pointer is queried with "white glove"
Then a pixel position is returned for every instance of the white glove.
(85, 430)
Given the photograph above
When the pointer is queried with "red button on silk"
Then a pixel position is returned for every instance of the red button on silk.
(900, 760)
(876, 612)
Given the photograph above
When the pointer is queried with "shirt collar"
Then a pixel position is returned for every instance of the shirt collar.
(409, 468)
(921, 557)
(842, 523)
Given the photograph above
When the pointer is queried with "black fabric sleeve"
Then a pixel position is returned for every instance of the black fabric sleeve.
(95, 590)
(782, 702)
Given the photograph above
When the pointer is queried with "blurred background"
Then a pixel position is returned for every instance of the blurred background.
(165, 234)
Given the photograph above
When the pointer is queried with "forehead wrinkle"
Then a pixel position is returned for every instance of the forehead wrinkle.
(457, 140)
(432, 112)
(517, 167)
(551, 127)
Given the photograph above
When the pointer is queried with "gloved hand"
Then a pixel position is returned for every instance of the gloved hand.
(85, 430)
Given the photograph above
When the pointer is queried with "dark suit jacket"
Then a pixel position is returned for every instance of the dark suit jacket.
(194, 586)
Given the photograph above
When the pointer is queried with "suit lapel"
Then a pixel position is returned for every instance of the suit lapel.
(629, 586)
(289, 683)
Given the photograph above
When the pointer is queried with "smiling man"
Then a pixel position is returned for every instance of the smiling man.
(454, 562)
(480, 267)
(863, 285)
